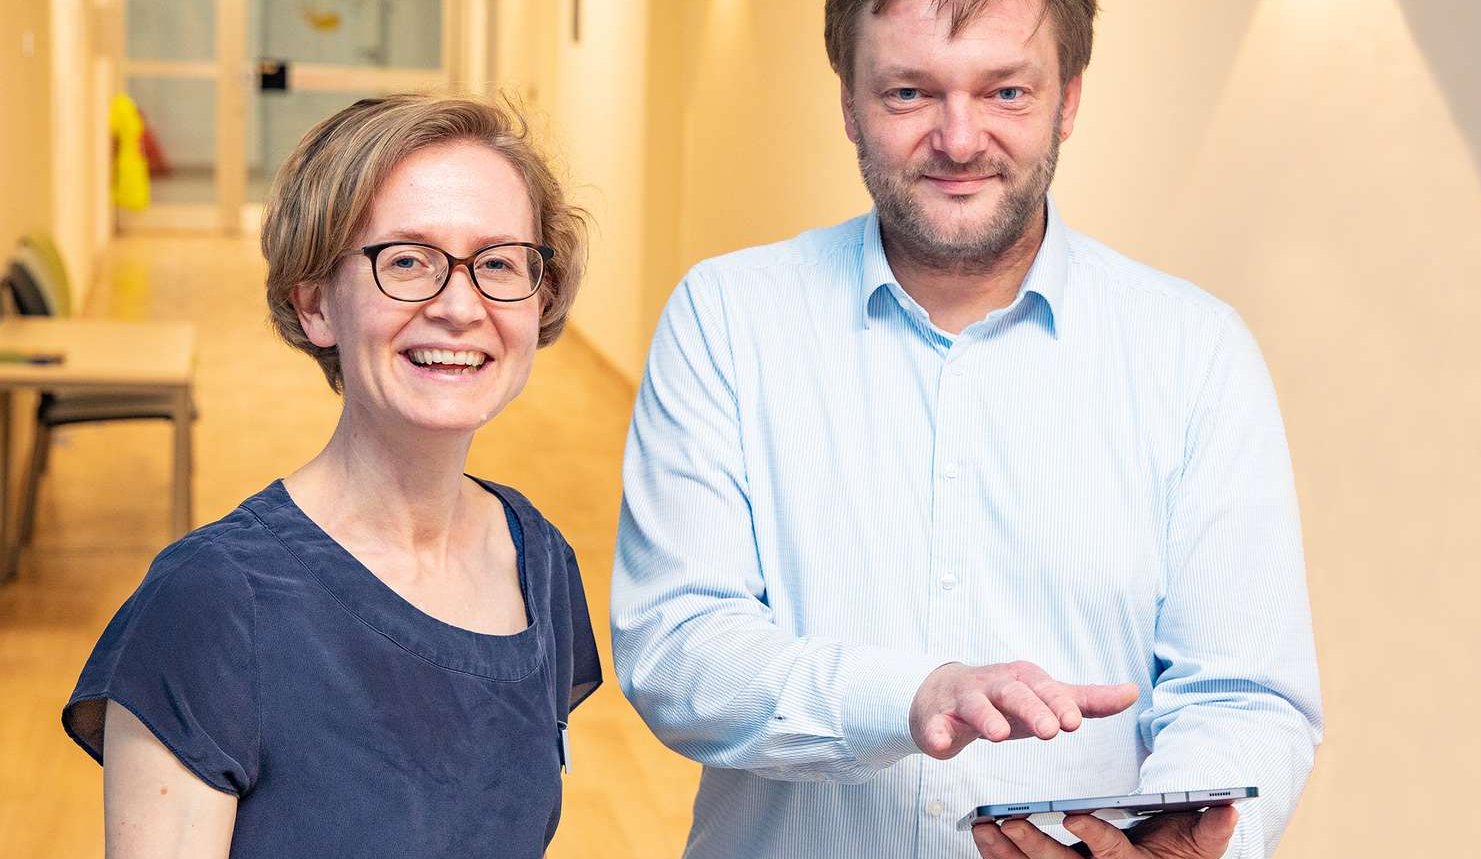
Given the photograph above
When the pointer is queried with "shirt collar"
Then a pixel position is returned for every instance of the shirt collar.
(1046, 278)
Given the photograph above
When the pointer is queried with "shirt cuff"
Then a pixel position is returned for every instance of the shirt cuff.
(879, 689)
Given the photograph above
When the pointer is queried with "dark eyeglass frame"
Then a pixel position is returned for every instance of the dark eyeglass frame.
(373, 252)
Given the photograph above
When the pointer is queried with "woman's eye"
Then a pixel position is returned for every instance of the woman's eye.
(495, 264)
(405, 262)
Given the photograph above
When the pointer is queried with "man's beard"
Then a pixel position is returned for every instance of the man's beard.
(969, 247)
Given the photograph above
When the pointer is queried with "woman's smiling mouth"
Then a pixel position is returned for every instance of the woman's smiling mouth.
(447, 361)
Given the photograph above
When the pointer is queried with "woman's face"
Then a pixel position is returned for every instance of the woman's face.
(460, 197)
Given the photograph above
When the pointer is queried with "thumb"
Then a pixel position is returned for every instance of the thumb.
(1215, 828)
(936, 735)
(1096, 700)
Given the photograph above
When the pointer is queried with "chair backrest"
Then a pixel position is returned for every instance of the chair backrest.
(53, 270)
(50, 288)
(26, 289)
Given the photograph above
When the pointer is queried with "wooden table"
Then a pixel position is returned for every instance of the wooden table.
(99, 356)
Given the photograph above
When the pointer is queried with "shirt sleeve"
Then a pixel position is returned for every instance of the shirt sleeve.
(1236, 701)
(696, 648)
(179, 655)
(586, 667)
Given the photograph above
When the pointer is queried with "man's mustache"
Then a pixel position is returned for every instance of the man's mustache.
(976, 168)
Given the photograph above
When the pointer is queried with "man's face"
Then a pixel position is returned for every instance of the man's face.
(958, 136)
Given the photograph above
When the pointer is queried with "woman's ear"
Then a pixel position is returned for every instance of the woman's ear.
(313, 315)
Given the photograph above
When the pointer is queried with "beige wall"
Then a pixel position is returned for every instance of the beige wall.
(1315, 163)
(1310, 163)
(681, 122)
(25, 142)
(588, 96)
(765, 156)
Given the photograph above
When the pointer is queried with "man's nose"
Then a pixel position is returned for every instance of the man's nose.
(960, 133)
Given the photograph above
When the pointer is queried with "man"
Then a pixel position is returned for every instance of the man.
(903, 497)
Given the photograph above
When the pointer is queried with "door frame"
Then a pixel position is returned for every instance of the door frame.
(467, 39)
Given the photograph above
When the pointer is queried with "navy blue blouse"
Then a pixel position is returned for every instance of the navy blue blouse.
(278, 668)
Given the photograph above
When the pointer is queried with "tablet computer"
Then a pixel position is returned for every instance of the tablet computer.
(1110, 808)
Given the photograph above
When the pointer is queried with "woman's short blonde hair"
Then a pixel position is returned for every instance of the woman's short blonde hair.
(321, 198)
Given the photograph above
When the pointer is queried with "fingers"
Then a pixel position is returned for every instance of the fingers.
(957, 704)
(1096, 701)
(1017, 701)
(1057, 697)
(1034, 844)
(993, 844)
(1215, 828)
(979, 713)
(935, 736)
(1104, 840)
(944, 735)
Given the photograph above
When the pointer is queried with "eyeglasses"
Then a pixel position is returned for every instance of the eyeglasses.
(412, 271)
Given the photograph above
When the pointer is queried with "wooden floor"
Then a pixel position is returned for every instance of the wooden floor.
(264, 410)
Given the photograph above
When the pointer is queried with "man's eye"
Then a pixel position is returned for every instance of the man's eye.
(907, 94)
(1010, 93)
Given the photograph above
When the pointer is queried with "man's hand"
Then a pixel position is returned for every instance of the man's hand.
(1174, 835)
(958, 704)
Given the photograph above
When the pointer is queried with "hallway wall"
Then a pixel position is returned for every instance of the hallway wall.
(25, 99)
(1305, 161)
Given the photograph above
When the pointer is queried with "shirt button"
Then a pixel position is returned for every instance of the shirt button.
(948, 581)
(935, 808)
(957, 371)
(950, 471)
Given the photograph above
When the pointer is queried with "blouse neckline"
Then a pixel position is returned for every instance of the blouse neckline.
(361, 593)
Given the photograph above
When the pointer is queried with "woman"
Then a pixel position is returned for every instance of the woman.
(374, 656)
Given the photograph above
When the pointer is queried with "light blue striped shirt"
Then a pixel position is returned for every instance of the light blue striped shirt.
(826, 497)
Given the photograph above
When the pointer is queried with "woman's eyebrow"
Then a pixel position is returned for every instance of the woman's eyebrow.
(428, 239)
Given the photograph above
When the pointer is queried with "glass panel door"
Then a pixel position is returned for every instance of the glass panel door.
(169, 70)
(317, 56)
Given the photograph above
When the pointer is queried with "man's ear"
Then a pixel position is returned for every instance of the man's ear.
(308, 300)
(846, 101)
(1070, 106)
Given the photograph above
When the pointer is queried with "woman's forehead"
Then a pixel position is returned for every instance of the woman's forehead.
(463, 188)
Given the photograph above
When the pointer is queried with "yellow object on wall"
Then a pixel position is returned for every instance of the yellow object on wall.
(130, 169)
(322, 20)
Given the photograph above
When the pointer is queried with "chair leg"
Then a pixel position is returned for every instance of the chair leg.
(40, 447)
(180, 512)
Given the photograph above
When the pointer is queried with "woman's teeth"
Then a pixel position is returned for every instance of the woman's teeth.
(463, 361)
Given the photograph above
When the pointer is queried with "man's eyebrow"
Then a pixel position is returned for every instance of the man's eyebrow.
(902, 73)
(909, 73)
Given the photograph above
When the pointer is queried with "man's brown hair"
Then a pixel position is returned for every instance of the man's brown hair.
(1074, 27)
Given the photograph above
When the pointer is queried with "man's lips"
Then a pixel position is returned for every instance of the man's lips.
(958, 185)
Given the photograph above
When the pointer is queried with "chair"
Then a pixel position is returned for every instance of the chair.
(37, 283)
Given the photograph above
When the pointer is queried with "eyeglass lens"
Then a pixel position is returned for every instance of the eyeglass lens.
(415, 273)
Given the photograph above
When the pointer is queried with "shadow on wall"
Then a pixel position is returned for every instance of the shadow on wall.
(1447, 32)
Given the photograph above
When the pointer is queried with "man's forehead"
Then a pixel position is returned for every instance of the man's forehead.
(1017, 20)
(914, 39)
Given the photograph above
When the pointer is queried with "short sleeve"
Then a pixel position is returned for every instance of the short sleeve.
(180, 656)
(586, 668)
